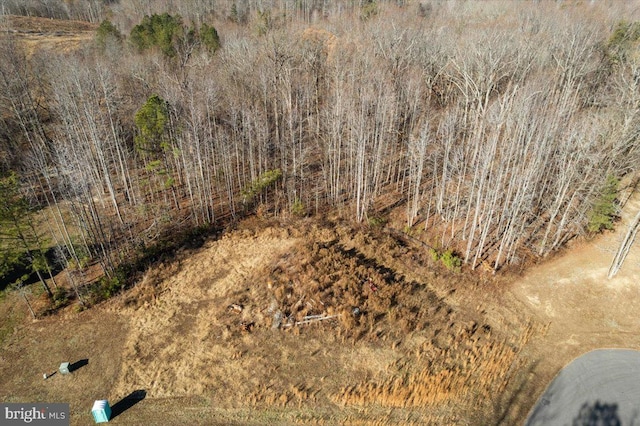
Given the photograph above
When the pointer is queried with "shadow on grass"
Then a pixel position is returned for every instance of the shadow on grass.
(127, 402)
(22, 266)
(78, 365)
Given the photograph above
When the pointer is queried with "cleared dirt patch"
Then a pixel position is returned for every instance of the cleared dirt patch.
(43, 34)
(37, 25)
(39, 347)
(583, 308)
(231, 334)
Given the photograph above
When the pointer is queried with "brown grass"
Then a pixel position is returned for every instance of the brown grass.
(37, 25)
(468, 368)
(43, 34)
(410, 356)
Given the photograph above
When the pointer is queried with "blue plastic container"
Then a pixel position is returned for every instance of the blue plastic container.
(101, 411)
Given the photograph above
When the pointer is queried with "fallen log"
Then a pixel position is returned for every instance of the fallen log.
(621, 255)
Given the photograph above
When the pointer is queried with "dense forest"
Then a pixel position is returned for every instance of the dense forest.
(500, 130)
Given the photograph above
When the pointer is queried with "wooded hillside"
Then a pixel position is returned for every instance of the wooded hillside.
(502, 129)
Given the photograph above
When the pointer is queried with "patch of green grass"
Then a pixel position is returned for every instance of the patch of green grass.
(265, 180)
(605, 208)
(60, 297)
(449, 259)
(377, 221)
(435, 256)
(298, 209)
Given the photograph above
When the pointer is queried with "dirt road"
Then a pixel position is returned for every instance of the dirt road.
(585, 310)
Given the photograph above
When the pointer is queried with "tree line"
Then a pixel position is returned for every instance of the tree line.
(501, 128)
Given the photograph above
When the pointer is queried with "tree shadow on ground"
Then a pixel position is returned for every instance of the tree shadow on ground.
(598, 414)
(127, 402)
(22, 266)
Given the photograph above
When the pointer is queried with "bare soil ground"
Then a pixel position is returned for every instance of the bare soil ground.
(583, 308)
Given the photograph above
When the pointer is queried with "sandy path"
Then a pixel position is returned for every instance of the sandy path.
(585, 310)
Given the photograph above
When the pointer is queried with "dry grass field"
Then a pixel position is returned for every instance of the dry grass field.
(45, 34)
(219, 334)
(258, 327)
